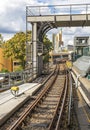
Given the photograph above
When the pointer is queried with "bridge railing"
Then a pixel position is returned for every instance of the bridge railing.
(17, 78)
(58, 9)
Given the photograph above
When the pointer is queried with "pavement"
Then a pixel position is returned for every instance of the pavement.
(9, 103)
(7, 95)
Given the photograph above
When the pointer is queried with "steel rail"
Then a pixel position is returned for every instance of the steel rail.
(63, 104)
(17, 124)
(52, 124)
(6, 125)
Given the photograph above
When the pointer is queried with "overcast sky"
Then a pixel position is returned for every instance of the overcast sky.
(13, 18)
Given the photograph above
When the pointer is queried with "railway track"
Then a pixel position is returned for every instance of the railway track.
(46, 111)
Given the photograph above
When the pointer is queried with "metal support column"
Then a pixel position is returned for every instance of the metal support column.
(34, 49)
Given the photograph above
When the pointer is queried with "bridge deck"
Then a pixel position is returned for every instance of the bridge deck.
(63, 20)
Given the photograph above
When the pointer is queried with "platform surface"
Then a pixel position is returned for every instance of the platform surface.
(9, 103)
(7, 95)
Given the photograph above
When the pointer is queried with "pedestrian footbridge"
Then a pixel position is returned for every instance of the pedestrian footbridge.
(45, 18)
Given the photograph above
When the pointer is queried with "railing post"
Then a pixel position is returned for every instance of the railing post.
(86, 12)
(70, 10)
(39, 11)
(9, 80)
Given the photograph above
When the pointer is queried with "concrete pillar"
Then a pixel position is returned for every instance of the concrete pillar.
(34, 49)
(37, 58)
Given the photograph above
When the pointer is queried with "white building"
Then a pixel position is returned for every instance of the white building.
(57, 41)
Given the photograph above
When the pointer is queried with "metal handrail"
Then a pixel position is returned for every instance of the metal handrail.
(15, 78)
(63, 104)
(70, 99)
(58, 9)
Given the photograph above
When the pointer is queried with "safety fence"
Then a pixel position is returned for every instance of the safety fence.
(58, 9)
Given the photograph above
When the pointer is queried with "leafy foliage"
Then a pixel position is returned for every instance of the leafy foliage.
(4, 70)
(47, 48)
(18, 69)
(1, 40)
(16, 48)
(47, 44)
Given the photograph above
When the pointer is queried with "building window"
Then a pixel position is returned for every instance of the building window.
(17, 63)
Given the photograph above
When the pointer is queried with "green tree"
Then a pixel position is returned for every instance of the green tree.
(15, 48)
(3, 70)
(47, 44)
(47, 49)
(1, 40)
